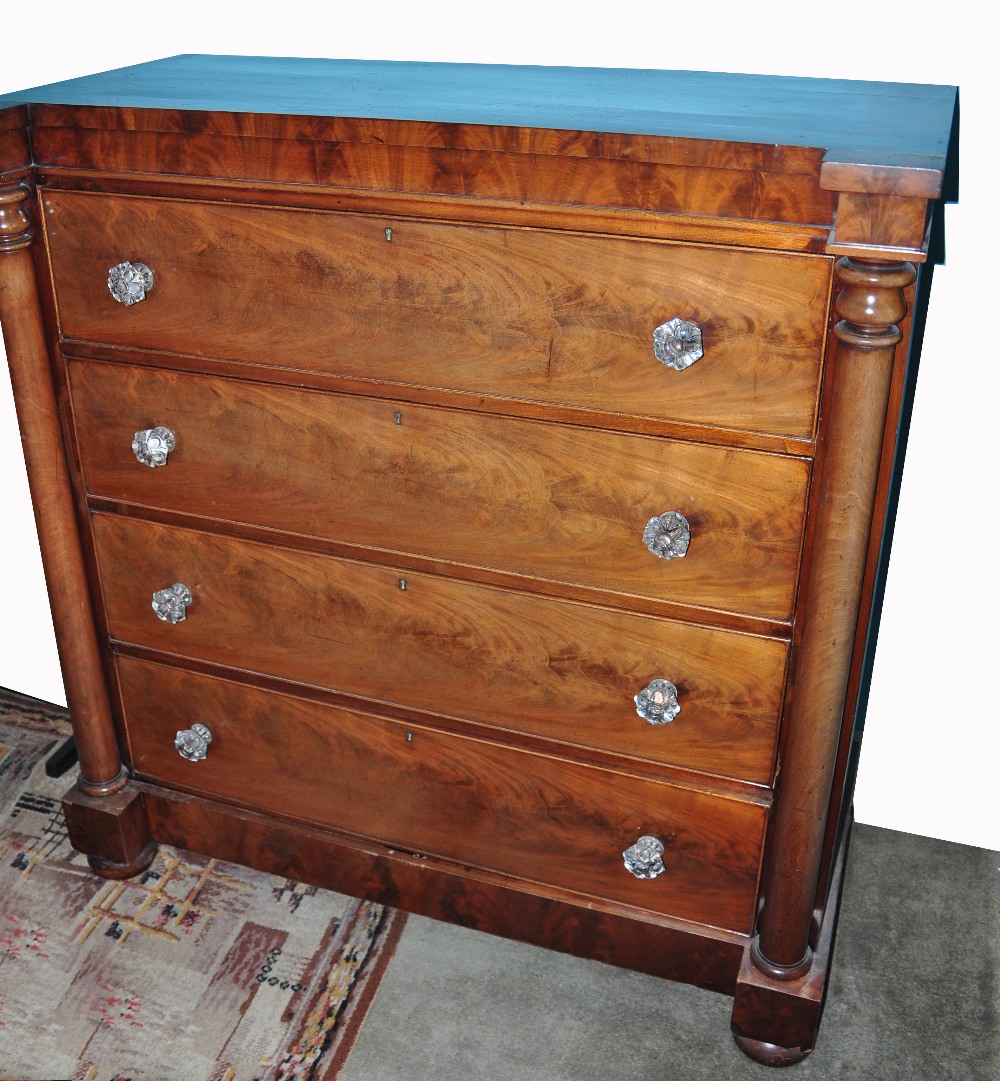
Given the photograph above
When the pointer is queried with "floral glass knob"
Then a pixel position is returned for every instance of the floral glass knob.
(171, 604)
(130, 282)
(667, 535)
(677, 343)
(152, 445)
(645, 858)
(658, 703)
(192, 743)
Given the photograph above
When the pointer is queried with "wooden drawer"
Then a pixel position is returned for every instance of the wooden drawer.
(543, 501)
(550, 317)
(530, 815)
(507, 660)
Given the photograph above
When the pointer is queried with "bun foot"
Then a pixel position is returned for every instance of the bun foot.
(110, 869)
(769, 1054)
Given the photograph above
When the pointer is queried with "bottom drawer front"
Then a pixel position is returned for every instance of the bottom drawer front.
(544, 819)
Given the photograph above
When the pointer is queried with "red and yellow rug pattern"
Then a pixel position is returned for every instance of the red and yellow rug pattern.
(197, 970)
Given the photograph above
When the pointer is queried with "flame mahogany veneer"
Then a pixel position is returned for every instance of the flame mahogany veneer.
(401, 327)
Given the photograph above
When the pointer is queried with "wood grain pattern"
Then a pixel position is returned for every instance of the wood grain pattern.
(517, 496)
(529, 314)
(696, 228)
(670, 149)
(880, 226)
(871, 304)
(15, 152)
(536, 817)
(474, 401)
(619, 183)
(518, 662)
(775, 1021)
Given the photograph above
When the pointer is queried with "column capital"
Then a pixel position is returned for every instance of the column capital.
(15, 224)
(871, 303)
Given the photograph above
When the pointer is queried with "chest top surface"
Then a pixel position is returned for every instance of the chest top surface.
(880, 123)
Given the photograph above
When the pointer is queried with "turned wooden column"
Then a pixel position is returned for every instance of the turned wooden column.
(870, 306)
(101, 772)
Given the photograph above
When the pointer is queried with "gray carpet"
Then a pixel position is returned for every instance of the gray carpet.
(914, 993)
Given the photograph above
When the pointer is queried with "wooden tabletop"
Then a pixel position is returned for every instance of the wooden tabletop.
(887, 123)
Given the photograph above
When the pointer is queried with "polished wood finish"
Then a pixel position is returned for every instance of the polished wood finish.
(515, 496)
(871, 304)
(539, 315)
(769, 234)
(514, 661)
(402, 325)
(629, 185)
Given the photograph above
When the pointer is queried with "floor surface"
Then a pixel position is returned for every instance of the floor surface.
(914, 993)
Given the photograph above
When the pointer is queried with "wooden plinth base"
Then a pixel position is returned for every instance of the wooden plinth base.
(112, 831)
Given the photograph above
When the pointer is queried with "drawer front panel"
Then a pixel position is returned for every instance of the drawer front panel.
(544, 316)
(508, 660)
(540, 500)
(529, 815)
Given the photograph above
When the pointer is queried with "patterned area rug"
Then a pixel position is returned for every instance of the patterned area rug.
(198, 970)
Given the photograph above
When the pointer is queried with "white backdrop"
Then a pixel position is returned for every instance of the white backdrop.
(930, 761)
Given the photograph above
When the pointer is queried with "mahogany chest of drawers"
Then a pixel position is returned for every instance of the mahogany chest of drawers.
(465, 486)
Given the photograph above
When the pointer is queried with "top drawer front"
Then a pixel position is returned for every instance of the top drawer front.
(549, 317)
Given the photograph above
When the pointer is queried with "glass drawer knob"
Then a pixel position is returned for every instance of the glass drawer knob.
(192, 743)
(645, 858)
(171, 604)
(658, 703)
(130, 282)
(678, 343)
(667, 535)
(152, 445)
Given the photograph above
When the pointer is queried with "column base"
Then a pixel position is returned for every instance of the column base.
(775, 1021)
(111, 831)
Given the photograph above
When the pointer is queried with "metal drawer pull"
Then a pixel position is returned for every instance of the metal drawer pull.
(658, 703)
(645, 858)
(130, 282)
(152, 445)
(678, 343)
(171, 604)
(667, 535)
(192, 743)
